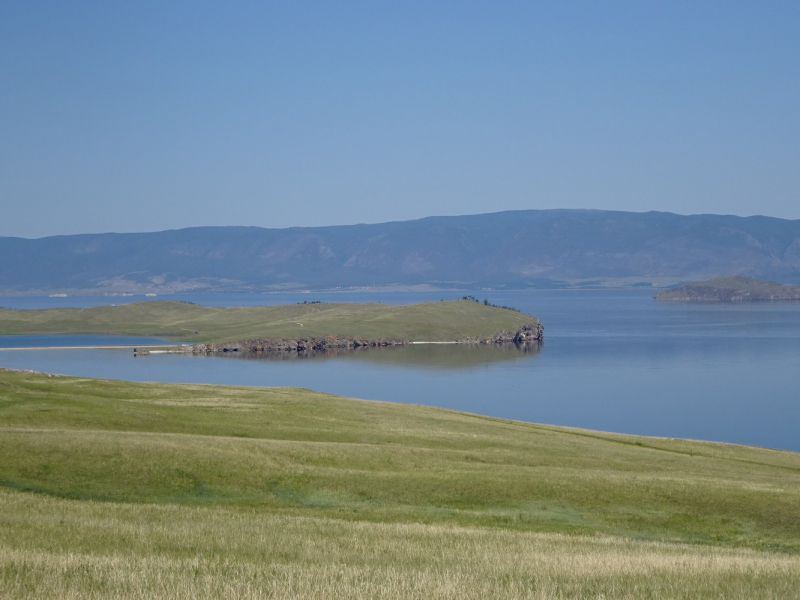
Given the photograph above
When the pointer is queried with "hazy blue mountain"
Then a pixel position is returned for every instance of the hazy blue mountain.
(513, 249)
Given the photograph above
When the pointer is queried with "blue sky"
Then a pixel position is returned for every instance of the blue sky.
(141, 116)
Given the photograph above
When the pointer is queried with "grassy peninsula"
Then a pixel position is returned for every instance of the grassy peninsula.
(731, 289)
(111, 489)
(180, 321)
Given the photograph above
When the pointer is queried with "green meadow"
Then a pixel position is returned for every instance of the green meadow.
(181, 321)
(112, 489)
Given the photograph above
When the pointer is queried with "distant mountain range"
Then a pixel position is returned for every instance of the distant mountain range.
(512, 250)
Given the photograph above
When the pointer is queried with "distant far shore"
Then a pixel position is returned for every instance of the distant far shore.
(578, 285)
(731, 289)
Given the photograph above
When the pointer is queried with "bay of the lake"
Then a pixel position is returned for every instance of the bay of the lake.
(611, 360)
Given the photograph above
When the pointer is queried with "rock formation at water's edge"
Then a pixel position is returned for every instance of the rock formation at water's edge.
(533, 332)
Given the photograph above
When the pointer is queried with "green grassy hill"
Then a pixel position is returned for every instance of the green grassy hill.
(293, 448)
(118, 489)
(180, 321)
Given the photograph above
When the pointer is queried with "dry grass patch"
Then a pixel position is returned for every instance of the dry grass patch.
(78, 549)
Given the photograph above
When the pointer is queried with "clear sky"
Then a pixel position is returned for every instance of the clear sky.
(143, 116)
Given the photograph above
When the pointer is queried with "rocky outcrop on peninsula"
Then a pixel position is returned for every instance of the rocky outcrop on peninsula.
(530, 333)
(731, 289)
(292, 345)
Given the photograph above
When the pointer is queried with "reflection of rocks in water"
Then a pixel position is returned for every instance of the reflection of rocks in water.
(530, 346)
(433, 356)
(275, 354)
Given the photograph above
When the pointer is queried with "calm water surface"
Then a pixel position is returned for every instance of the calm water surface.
(611, 360)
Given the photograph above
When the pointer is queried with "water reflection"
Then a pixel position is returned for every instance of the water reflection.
(427, 356)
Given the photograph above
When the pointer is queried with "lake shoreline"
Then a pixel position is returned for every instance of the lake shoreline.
(614, 361)
(532, 332)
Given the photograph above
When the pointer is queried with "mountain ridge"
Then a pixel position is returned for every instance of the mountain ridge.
(509, 249)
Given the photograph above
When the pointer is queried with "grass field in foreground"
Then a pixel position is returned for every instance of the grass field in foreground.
(181, 321)
(73, 549)
(117, 489)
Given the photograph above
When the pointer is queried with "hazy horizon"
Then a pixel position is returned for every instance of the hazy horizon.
(147, 117)
(397, 221)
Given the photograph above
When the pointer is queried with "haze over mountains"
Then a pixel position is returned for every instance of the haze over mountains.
(516, 249)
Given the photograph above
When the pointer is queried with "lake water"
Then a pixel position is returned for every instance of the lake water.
(611, 360)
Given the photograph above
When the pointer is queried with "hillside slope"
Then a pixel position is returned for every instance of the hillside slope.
(111, 489)
(327, 455)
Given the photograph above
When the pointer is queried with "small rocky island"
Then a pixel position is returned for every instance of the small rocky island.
(731, 289)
